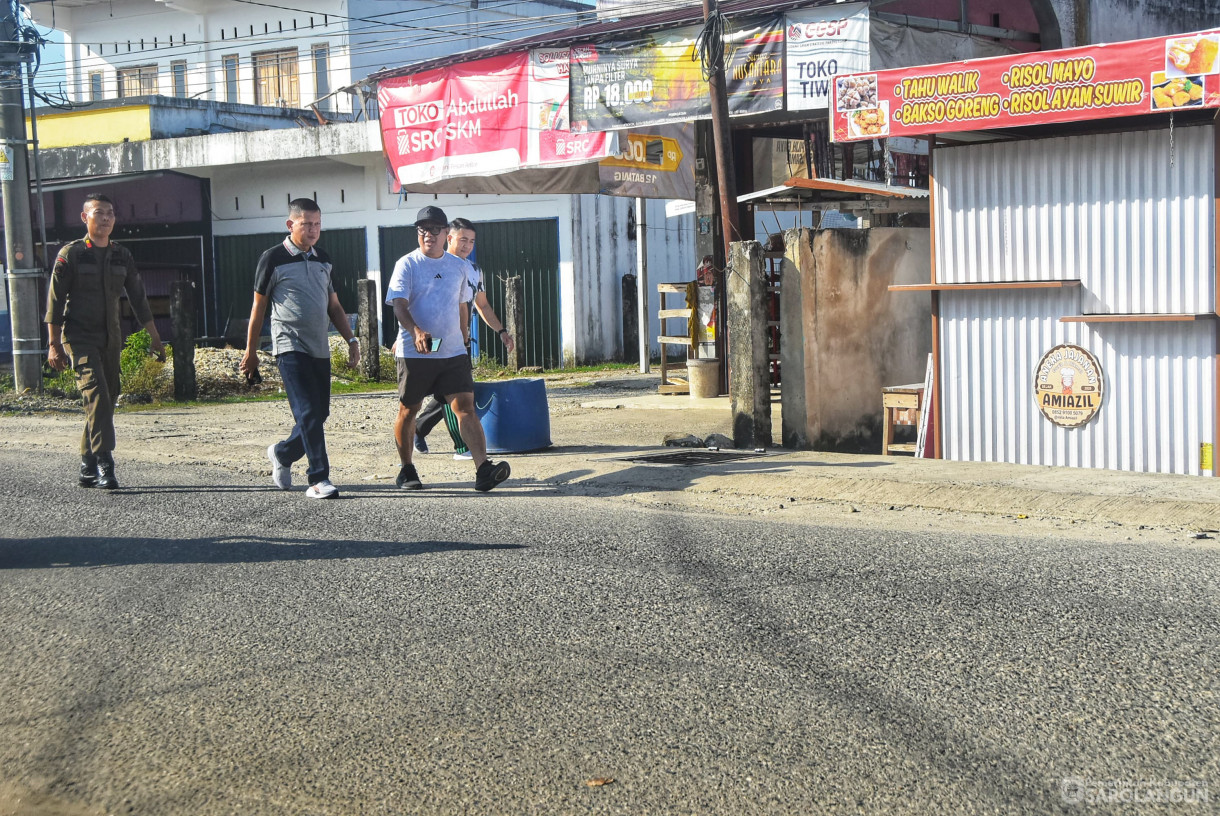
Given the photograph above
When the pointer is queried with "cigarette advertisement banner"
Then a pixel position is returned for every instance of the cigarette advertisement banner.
(481, 118)
(1180, 72)
(656, 162)
(823, 42)
(659, 78)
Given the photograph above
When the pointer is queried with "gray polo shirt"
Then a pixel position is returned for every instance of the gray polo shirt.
(299, 287)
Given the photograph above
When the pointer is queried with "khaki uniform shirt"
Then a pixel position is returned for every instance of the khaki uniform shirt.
(86, 285)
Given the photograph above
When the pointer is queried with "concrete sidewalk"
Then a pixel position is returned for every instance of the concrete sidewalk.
(1187, 503)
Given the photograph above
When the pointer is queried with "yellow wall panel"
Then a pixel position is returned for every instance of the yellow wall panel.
(107, 126)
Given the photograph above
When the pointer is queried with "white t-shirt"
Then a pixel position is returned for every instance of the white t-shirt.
(432, 288)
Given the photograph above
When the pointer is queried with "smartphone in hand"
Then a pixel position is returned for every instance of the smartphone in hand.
(436, 344)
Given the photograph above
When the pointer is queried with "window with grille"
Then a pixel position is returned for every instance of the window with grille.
(230, 66)
(138, 80)
(276, 80)
(178, 72)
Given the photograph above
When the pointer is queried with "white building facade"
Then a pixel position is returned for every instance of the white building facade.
(263, 54)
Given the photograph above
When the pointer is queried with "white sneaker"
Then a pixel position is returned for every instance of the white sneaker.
(322, 490)
(280, 474)
(461, 456)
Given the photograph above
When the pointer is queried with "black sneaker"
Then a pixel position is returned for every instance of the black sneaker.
(88, 470)
(408, 479)
(106, 480)
(490, 474)
(421, 444)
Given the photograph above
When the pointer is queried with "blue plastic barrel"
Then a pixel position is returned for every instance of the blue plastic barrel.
(514, 414)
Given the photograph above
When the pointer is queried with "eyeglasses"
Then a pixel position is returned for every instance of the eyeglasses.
(433, 231)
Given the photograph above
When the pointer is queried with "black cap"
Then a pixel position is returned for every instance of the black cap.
(431, 215)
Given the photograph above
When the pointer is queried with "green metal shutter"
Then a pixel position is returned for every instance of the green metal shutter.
(237, 256)
(529, 249)
(503, 249)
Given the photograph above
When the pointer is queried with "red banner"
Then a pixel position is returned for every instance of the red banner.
(462, 120)
(484, 117)
(1045, 87)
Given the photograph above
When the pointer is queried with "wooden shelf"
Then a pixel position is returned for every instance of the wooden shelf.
(672, 288)
(664, 313)
(1137, 318)
(677, 341)
(981, 287)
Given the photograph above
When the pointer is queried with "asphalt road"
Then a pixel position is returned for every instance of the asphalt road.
(204, 645)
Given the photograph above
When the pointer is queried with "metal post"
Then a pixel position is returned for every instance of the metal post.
(24, 276)
(641, 282)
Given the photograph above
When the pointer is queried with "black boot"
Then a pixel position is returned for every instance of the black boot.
(106, 479)
(88, 470)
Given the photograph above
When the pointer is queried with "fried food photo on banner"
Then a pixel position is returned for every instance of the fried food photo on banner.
(1192, 55)
(1178, 92)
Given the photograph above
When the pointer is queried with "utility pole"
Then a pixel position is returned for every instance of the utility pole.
(24, 276)
(726, 182)
(726, 178)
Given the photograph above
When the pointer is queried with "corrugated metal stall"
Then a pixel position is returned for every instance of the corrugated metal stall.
(1158, 407)
(1131, 217)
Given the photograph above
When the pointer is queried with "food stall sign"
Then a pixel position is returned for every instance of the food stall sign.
(1069, 386)
(1044, 87)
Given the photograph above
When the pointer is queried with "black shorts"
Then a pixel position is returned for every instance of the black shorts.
(420, 376)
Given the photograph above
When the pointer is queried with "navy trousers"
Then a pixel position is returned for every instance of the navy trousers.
(307, 383)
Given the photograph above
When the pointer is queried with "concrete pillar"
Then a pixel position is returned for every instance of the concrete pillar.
(514, 319)
(367, 309)
(182, 314)
(746, 318)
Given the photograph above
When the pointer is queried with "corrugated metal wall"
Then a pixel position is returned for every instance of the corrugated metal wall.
(1160, 385)
(1112, 210)
(604, 236)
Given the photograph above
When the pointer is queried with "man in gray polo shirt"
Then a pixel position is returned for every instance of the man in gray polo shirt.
(293, 277)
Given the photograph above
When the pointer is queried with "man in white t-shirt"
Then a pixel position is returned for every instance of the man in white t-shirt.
(460, 242)
(426, 291)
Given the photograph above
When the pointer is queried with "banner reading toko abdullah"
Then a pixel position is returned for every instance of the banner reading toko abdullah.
(1179, 72)
(483, 117)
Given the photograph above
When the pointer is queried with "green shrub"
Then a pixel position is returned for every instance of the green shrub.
(143, 377)
(60, 383)
(339, 369)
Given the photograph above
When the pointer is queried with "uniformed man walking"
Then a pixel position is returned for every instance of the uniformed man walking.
(83, 323)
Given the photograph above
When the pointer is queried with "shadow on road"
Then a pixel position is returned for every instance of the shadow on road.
(639, 477)
(60, 551)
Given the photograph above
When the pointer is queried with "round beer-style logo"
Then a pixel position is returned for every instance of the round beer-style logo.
(1068, 386)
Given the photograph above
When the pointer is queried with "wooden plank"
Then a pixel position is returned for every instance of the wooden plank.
(664, 313)
(902, 448)
(674, 388)
(672, 288)
(677, 341)
(900, 400)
